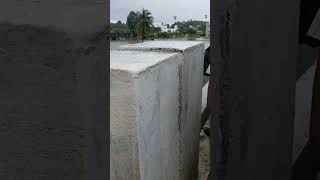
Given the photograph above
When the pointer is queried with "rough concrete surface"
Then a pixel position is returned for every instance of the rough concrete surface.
(54, 105)
(46, 128)
(192, 76)
(182, 46)
(144, 115)
(76, 17)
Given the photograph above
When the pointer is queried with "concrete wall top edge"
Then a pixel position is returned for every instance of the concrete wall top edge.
(72, 16)
(171, 46)
(136, 62)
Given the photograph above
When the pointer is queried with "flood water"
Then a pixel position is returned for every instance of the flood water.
(115, 45)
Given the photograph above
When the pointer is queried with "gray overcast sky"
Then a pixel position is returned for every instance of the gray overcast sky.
(162, 10)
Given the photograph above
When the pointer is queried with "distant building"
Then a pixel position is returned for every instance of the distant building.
(174, 29)
(166, 27)
(193, 27)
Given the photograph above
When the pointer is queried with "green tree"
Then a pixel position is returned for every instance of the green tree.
(156, 29)
(145, 23)
(202, 28)
(119, 29)
(132, 20)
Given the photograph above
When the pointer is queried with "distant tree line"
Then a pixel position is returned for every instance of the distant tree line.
(119, 30)
(191, 27)
(186, 29)
(139, 25)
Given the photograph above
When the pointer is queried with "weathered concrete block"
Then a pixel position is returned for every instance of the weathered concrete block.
(53, 106)
(54, 100)
(144, 115)
(192, 53)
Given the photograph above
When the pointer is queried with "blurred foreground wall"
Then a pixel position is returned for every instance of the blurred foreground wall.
(53, 108)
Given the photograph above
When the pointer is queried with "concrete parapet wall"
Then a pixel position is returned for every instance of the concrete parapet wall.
(183, 135)
(190, 98)
(144, 115)
(53, 108)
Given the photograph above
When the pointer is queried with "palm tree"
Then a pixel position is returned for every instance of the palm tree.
(145, 23)
(131, 22)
